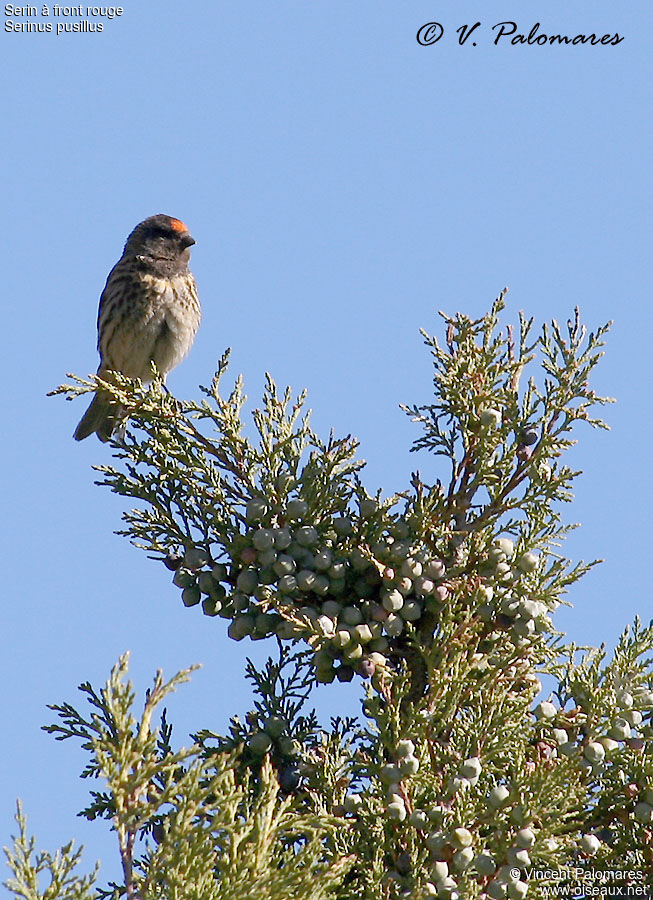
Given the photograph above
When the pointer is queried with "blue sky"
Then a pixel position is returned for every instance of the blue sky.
(343, 183)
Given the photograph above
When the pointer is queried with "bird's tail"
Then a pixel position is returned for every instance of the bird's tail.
(100, 418)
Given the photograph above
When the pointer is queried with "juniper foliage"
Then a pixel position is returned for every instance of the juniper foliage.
(456, 782)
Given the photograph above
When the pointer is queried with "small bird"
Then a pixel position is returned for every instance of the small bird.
(149, 313)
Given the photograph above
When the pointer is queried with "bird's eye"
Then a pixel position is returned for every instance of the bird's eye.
(155, 232)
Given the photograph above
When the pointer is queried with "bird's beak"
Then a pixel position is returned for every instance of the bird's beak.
(187, 240)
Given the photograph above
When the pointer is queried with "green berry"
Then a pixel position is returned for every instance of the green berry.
(282, 538)
(256, 509)
(400, 550)
(404, 748)
(344, 673)
(411, 611)
(393, 601)
(458, 784)
(284, 565)
(331, 608)
(263, 539)
(325, 676)
(289, 746)
(485, 864)
(633, 717)
(528, 562)
(322, 659)
(342, 638)
(404, 586)
(352, 615)
(240, 627)
(323, 560)
(518, 856)
(219, 572)
(275, 726)
(440, 870)
(498, 796)
(266, 577)
(462, 859)
(247, 581)
(265, 623)
(424, 586)
(367, 507)
(259, 743)
(306, 536)
(490, 417)
(441, 593)
(296, 509)
(362, 633)
(408, 766)
(287, 584)
(594, 752)
(393, 625)
(196, 557)
(589, 843)
(471, 768)
(191, 596)
(172, 561)
(418, 819)
(411, 568)
(530, 435)
(321, 585)
(525, 838)
(497, 890)
(326, 625)
(337, 570)
(435, 841)
(448, 889)
(390, 773)
(305, 579)
(524, 628)
(461, 837)
(206, 583)
(183, 578)
(644, 813)
(396, 810)
(545, 710)
(211, 607)
(624, 699)
(343, 526)
(505, 546)
(435, 569)
(620, 730)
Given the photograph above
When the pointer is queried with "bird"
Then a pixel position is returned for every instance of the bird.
(149, 313)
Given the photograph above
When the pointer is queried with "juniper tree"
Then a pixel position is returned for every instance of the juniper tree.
(458, 780)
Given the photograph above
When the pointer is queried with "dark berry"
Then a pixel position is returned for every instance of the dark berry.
(173, 561)
(366, 668)
(289, 779)
(344, 673)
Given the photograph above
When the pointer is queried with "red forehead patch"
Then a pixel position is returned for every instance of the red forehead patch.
(177, 225)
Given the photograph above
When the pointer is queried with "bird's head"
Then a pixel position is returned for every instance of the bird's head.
(161, 238)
